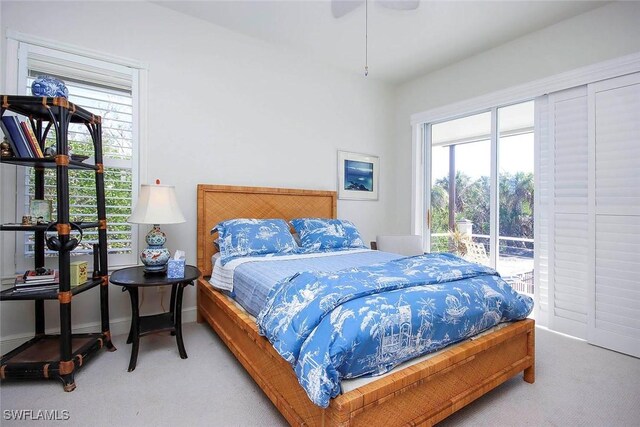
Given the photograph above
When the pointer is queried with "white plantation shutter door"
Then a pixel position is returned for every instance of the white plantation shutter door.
(542, 194)
(568, 221)
(614, 137)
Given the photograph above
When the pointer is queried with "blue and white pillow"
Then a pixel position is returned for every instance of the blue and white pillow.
(247, 237)
(322, 233)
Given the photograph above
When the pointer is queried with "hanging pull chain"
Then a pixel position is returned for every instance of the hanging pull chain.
(366, 38)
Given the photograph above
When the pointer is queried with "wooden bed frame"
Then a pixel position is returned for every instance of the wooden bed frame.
(420, 394)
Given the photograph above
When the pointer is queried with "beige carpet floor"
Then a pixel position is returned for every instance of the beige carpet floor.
(576, 385)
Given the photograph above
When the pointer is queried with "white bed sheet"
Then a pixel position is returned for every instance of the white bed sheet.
(222, 275)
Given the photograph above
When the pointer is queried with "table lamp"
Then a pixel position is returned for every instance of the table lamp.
(157, 204)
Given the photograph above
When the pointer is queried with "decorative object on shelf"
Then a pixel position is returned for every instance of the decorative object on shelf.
(26, 220)
(5, 148)
(55, 244)
(96, 261)
(50, 151)
(49, 86)
(40, 210)
(357, 176)
(78, 271)
(157, 204)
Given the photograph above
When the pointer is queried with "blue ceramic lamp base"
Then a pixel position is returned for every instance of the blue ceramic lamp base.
(155, 256)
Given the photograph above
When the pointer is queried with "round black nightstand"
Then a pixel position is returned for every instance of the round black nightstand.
(134, 277)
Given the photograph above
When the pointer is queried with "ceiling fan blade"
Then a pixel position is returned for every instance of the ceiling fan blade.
(400, 4)
(339, 8)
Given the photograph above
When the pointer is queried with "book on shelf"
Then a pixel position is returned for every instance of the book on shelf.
(13, 131)
(39, 273)
(33, 142)
(35, 288)
(21, 284)
(23, 136)
(32, 278)
(7, 134)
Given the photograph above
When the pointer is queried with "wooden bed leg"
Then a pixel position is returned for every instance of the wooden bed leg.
(530, 372)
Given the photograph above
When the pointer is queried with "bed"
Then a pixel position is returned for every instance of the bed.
(422, 393)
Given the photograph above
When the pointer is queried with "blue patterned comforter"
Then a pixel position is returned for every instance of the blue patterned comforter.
(366, 320)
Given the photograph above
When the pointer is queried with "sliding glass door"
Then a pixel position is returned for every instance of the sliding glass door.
(515, 195)
(460, 196)
(480, 200)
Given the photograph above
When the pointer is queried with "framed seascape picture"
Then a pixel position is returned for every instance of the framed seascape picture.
(357, 176)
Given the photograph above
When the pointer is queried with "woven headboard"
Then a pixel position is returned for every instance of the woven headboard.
(221, 202)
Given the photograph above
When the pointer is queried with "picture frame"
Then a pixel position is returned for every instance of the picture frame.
(40, 209)
(357, 176)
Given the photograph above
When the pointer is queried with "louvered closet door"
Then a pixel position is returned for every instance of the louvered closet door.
(569, 225)
(543, 194)
(614, 143)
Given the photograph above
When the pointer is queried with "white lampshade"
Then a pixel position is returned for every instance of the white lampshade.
(157, 204)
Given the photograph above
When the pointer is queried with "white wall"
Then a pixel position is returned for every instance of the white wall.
(228, 109)
(222, 109)
(598, 35)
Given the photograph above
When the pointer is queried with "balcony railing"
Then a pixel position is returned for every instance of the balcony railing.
(515, 263)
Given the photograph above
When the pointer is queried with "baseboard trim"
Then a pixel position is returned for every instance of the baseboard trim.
(118, 326)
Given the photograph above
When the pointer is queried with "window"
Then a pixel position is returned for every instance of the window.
(460, 170)
(108, 90)
(480, 199)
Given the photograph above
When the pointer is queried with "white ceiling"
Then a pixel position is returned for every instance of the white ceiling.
(402, 44)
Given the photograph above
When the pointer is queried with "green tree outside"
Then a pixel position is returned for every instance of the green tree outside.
(516, 195)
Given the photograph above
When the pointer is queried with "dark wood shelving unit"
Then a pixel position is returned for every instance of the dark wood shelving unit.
(39, 357)
(20, 294)
(61, 355)
(43, 227)
(46, 162)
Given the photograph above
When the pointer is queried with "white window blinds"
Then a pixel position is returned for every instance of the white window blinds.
(107, 90)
